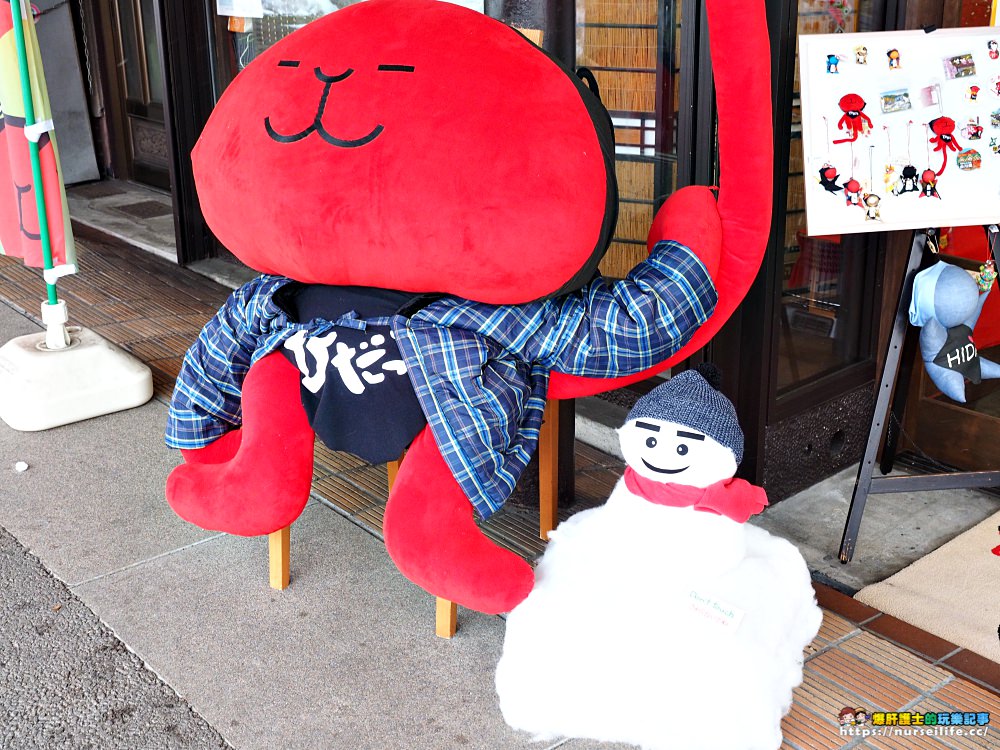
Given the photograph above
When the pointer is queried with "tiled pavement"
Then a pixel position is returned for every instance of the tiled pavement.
(861, 658)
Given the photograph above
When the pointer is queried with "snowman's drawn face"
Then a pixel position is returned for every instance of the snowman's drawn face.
(673, 453)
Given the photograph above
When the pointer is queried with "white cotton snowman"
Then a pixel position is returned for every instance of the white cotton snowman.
(661, 618)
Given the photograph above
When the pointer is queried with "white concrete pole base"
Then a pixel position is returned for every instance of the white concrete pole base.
(43, 387)
(55, 318)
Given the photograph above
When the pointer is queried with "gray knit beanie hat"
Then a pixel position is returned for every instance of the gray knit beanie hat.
(693, 401)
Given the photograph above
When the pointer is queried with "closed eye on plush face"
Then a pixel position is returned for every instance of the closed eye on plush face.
(387, 68)
(341, 111)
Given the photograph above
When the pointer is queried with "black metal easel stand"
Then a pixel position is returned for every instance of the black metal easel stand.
(888, 414)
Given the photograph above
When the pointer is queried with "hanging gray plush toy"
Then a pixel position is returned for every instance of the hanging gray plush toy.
(946, 305)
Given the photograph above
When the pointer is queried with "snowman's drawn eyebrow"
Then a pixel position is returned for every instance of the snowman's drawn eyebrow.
(397, 68)
(691, 435)
(648, 426)
(288, 64)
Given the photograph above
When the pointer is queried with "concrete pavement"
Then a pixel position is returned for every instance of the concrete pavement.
(180, 639)
(66, 681)
(345, 658)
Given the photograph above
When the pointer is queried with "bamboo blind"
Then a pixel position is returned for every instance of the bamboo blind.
(635, 179)
(626, 12)
(795, 162)
(620, 47)
(634, 220)
(622, 258)
(628, 91)
(618, 40)
(628, 136)
(796, 193)
(793, 223)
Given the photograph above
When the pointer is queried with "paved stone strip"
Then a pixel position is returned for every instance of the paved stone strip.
(67, 682)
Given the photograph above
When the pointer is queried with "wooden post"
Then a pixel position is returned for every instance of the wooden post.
(446, 612)
(278, 545)
(392, 469)
(446, 618)
(548, 470)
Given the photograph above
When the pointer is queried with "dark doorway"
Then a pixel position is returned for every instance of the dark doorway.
(137, 88)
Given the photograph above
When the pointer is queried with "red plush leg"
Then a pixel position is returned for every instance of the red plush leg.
(258, 480)
(431, 536)
(217, 452)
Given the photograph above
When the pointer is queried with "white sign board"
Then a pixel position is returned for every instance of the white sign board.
(900, 130)
(244, 8)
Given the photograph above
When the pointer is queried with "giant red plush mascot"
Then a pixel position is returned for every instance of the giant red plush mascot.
(428, 195)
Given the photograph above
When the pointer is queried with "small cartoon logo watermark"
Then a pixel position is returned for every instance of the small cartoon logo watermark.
(853, 717)
(860, 722)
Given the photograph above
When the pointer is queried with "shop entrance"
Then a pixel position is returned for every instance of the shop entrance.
(134, 67)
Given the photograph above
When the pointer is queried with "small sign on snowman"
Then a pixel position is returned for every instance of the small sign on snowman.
(664, 603)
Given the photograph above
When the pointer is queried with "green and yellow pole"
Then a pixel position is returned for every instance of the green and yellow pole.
(36, 163)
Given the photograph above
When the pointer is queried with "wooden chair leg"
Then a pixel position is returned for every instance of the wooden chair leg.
(278, 547)
(548, 469)
(446, 618)
(392, 469)
(446, 612)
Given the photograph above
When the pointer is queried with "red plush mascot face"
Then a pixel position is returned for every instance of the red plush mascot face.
(851, 103)
(414, 145)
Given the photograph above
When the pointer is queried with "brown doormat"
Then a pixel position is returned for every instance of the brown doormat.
(953, 593)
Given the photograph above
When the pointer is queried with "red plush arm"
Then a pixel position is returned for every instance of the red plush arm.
(254, 480)
(742, 220)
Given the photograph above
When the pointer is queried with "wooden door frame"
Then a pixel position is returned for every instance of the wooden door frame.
(109, 119)
(188, 73)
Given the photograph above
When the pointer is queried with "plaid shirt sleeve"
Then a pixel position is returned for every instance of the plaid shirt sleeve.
(481, 371)
(483, 405)
(206, 399)
(608, 328)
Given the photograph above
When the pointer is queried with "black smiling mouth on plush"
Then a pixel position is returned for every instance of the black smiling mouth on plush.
(658, 470)
(317, 123)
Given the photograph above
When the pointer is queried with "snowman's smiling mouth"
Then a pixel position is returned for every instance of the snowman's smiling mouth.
(663, 471)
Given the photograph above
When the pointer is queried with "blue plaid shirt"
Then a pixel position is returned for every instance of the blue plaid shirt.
(479, 371)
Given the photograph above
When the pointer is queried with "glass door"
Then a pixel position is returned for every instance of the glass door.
(939, 432)
(633, 49)
(824, 318)
(139, 61)
(240, 40)
(803, 343)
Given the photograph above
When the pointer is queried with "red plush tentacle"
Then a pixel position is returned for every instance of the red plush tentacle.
(743, 91)
(217, 452)
(745, 181)
(264, 484)
(431, 535)
(852, 139)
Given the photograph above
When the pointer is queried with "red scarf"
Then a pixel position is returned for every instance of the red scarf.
(734, 498)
